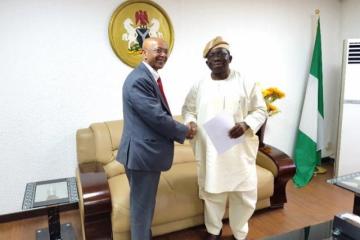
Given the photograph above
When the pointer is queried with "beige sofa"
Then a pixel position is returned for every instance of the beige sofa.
(104, 190)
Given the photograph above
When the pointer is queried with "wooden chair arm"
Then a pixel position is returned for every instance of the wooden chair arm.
(96, 201)
(285, 170)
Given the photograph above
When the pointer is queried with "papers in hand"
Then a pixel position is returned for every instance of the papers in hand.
(218, 129)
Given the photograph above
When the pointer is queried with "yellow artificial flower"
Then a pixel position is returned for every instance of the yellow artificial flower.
(270, 95)
(272, 109)
(266, 92)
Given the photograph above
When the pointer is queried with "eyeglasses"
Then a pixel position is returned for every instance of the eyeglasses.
(158, 50)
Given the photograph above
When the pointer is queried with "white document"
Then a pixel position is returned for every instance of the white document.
(218, 129)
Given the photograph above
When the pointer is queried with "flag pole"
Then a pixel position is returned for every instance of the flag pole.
(319, 168)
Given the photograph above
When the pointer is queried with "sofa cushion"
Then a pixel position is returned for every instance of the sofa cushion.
(181, 183)
(114, 167)
(177, 192)
(106, 142)
(265, 183)
(120, 201)
(263, 161)
(177, 196)
(183, 153)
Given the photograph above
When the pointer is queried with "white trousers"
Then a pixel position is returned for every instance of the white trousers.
(241, 207)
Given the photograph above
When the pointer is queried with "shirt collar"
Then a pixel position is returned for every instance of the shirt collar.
(154, 73)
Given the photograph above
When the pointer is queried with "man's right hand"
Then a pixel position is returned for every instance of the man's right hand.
(192, 129)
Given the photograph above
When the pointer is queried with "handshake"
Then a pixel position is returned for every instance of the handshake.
(237, 131)
(192, 129)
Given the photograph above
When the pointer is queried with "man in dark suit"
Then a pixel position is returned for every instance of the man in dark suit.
(147, 143)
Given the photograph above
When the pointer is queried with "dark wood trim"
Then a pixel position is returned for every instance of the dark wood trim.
(35, 212)
(261, 133)
(286, 170)
(97, 201)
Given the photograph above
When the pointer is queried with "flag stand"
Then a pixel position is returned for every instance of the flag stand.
(319, 170)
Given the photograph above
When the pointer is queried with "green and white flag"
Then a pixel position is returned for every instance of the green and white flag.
(309, 140)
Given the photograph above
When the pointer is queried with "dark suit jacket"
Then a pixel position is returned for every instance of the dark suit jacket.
(149, 132)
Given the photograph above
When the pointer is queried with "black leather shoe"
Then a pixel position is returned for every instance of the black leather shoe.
(210, 236)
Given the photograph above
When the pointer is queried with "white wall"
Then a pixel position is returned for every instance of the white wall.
(58, 72)
(349, 18)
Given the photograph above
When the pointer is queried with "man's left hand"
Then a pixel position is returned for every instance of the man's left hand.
(238, 130)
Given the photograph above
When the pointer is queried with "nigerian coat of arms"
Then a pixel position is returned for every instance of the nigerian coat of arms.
(137, 32)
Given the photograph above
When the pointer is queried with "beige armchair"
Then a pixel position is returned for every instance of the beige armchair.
(104, 190)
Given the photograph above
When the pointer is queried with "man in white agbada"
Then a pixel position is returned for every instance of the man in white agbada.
(231, 174)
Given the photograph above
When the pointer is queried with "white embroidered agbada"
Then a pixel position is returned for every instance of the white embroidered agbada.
(234, 170)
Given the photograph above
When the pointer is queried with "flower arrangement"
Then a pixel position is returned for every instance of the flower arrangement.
(271, 95)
